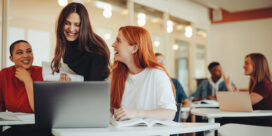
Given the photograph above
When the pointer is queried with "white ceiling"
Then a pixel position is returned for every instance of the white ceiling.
(235, 5)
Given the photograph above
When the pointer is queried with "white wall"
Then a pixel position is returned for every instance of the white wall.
(230, 42)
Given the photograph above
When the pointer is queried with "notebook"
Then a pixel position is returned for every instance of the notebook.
(72, 104)
(144, 122)
(234, 101)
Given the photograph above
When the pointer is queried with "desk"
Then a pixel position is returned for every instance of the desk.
(137, 130)
(186, 111)
(211, 114)
(198, 105)
(23, 118)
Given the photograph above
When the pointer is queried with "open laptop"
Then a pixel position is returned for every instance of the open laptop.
(234, 101)
(72, 104)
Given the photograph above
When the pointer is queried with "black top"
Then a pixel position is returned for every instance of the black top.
(90, 65)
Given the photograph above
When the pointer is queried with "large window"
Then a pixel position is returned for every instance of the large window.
(200, 59)
(180, 45)
(34, 21)
(107, 16)
(182, 60)
(151, 20)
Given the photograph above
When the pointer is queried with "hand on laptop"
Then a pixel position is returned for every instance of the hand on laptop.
(64, 77)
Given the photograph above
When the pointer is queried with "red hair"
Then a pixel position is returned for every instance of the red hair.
(143, 58)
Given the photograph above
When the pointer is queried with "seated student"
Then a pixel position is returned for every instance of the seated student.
(208, 88)
(140, 86)
(260, 86)
(16, 85)
(181, 96)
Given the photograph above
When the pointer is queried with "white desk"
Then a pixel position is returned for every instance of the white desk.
(23, 118)
(212, 113)
(201, 105)
(186, 111)
(137, 130)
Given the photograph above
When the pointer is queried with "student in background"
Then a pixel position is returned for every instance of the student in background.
(260, 86)
(78, 46)
(181, 96)
(16, 86)
(140, 86)
(207, 88)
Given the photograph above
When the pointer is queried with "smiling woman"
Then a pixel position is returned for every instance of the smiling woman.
(78, 46)
(71, 27)
(16, 85)
(140, 86)
(21, 54)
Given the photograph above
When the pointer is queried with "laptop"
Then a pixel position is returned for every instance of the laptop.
(72, 104)
(234, 101)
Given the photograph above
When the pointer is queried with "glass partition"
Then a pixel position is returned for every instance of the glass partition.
(182, 63)
(152, 20)
(200, 62)
(180, 50)
(107, 17)
(34, 21)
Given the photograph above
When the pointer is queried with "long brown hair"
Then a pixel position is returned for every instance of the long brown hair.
(87, 41)
(260, 70)
(143, 58)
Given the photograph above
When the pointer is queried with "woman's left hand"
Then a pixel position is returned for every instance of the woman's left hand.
(124, 114)
(23, 75)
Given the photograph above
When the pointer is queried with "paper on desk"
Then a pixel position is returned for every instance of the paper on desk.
(49, 76)
(10, 116)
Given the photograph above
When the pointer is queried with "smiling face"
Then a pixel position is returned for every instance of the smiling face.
(248, 66)
(22, 55)
(123, 51)
(216, 72)
(72, 27)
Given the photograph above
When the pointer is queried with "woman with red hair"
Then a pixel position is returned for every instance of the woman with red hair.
(140, 86)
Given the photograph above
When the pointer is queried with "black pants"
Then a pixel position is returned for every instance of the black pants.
(27, 130)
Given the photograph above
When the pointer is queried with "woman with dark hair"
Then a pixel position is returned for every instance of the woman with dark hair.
(78, 46)
(260, 86)
(16, 88)
(140, 86)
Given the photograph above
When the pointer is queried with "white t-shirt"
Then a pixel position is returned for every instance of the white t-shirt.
(147, 90)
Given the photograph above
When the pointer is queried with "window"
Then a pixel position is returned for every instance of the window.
(182, 60)
(151, 20)
(200, 62)
(30, 21)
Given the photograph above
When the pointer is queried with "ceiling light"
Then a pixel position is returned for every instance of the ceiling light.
(188, 31)
(157, 43)
(141, 19)
(169, 26)
(107, 36)
(175, 47)
(63, 3)
(188, 34)
(107, 13)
